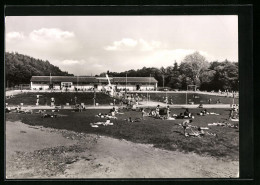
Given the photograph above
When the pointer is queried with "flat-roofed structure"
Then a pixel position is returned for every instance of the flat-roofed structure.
(90, 83)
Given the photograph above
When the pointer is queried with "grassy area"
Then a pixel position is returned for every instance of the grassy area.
(180, 98)
(60, 98)
(161, 133)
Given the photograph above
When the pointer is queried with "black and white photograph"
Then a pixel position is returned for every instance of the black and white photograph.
(121, 97)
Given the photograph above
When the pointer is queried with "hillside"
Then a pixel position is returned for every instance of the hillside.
(20, 68)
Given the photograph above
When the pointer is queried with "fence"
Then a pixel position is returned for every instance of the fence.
(19, 87)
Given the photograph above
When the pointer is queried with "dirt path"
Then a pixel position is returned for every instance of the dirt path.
(149, 104)
(36, 152)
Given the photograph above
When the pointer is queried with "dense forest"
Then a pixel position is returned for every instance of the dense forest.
(193, 70)
(20, 68)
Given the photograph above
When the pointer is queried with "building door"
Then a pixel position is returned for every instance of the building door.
(95, 86)
(137, 87)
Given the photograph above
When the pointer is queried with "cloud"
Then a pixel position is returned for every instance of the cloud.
(123, 44)
(53, 34)
(14, 36)
(149, 46)
(70, 62)
(127, 44)
(46, 43)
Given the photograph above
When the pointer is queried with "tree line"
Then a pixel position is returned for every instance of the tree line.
(20, 68)
(193, 70)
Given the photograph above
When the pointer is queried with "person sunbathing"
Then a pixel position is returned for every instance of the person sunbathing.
(28, 112)
(7, 110)
(93, 125)
(187, 114)
(99, 115)
(39, 112)
(203, 112)
(46, 115)
(131, 120)
(180, 116)
(213, 113)
(211, 134)
(107, 122)
(112, 110)
(170, 118)
(198, 133)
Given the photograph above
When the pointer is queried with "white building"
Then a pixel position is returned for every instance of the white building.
(71, 83)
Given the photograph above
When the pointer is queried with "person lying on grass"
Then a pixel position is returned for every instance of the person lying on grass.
(40, 111)
(132, 120)
(198, 133)
(101, 115)
(187, 114)
(7, 109)
(203, 112)
(180, 116)
(24, 111)
(101, 123)
(224, 124)
(45, 115)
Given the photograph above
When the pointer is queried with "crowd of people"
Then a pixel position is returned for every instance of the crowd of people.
(131, 100)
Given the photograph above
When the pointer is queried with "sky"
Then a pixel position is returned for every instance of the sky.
(89, 45)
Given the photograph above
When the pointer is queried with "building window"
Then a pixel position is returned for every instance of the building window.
(66, 84)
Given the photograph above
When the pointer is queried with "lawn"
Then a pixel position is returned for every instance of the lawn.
(161, 133)
(60, 98)
(180, 98)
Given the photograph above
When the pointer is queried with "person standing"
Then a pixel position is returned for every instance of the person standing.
(143, 113)
(37, 99)
(185, 125)
(157, 111)
(171, 102)
(45, 101)
(75, 99)
(52, 101)
(168, 111)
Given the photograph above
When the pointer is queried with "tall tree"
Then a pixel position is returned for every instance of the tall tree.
(226, 76)
(175, 79)
(193, 66)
